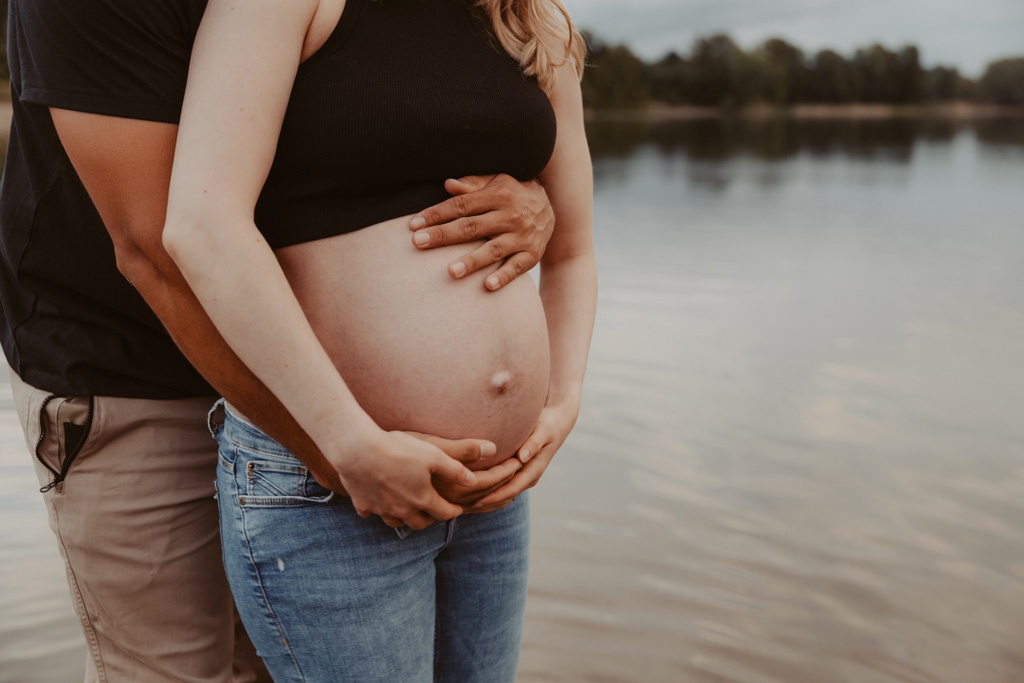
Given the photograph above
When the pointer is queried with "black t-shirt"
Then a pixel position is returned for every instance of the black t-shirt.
(71, 323)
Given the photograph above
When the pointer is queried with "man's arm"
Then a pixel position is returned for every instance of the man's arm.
(125, 164)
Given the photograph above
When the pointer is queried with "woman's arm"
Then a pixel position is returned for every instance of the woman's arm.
(244, 62)
(568, 288)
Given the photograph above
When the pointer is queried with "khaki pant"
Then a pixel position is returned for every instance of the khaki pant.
(128, 484)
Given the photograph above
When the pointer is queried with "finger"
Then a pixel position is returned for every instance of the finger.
(417, 521)
(489, 508)
(440, 509)
(533, 444)
(393, 522)
(487, 480)
(462, 229)
(459, 206)
(466, 451)
(502, 496)
(513, 267)
(524, 479)
(497, 475)
(467, 184)
(452, 470)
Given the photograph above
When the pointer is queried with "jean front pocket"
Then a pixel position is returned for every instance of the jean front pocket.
(274, 481)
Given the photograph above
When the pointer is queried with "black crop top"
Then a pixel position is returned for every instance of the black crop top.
(402, 95)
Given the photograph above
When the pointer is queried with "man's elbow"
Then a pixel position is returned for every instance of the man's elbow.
(133, 261)
(142, 259)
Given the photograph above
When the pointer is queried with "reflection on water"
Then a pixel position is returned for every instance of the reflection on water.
(800, 456)
(777, 138)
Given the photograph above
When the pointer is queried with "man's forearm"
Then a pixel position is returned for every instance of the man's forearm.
(167, 293)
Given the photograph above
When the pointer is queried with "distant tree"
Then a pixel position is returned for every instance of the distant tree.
(878, 72)
(910, 79)
(831, 79)
(749, 78)
(1003, 81)
(718, 73)
(616, 78)
(785, 72)
(941, 84)
(716, 64)
(670, 79)
(966, 89)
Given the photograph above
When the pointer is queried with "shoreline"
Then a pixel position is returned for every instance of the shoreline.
(657, 113)
(957, 111)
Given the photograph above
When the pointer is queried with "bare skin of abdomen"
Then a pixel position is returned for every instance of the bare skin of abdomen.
(421, 351)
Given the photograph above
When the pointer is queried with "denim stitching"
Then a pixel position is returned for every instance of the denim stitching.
(282, 500)
(263, 593)
(450, 535)
(254, 449)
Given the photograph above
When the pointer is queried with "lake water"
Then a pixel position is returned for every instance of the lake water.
(801, 452)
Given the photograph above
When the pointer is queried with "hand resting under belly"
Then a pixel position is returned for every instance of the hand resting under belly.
(419, 350)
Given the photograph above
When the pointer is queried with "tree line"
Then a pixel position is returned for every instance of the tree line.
(717, 72)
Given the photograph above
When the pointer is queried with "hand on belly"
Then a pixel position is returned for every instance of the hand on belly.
(420, 351)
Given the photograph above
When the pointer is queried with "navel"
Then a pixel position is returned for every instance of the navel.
(501, 381)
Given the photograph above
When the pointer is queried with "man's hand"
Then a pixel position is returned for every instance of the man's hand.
(553, 426)
(516, 217)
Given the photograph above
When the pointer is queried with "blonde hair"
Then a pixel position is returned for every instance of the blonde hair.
(529, 29)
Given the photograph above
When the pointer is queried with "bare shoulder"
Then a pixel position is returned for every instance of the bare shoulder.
(561, 39)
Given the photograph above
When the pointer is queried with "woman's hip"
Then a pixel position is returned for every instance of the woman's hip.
(306, 569)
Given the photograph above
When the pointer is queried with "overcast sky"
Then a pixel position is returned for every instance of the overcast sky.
(963, 33)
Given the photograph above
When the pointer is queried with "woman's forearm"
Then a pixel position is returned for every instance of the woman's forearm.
(568, 289)
(239, 282)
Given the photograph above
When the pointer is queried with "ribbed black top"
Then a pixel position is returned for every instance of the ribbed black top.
(404, 94)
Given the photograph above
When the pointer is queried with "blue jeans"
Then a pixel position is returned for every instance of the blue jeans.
(329, 596)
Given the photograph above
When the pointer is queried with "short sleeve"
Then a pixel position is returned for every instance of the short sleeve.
(125, 58)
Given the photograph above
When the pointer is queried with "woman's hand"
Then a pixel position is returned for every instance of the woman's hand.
(553, 426)
(391, 474)
(517, 217)
(468, 452)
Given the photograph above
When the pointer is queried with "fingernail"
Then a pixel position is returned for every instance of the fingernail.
(487, 449)
(421, 238)
(525, 455)
(458, 269)
(492, 282)
(469, 478)
(417, 222)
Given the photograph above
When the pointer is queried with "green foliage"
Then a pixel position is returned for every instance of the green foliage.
(717, 72)
(785, 74)
(615, 76)
(1003, 81)
(831, 79)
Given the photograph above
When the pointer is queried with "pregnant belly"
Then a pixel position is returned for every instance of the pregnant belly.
(420, 351)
